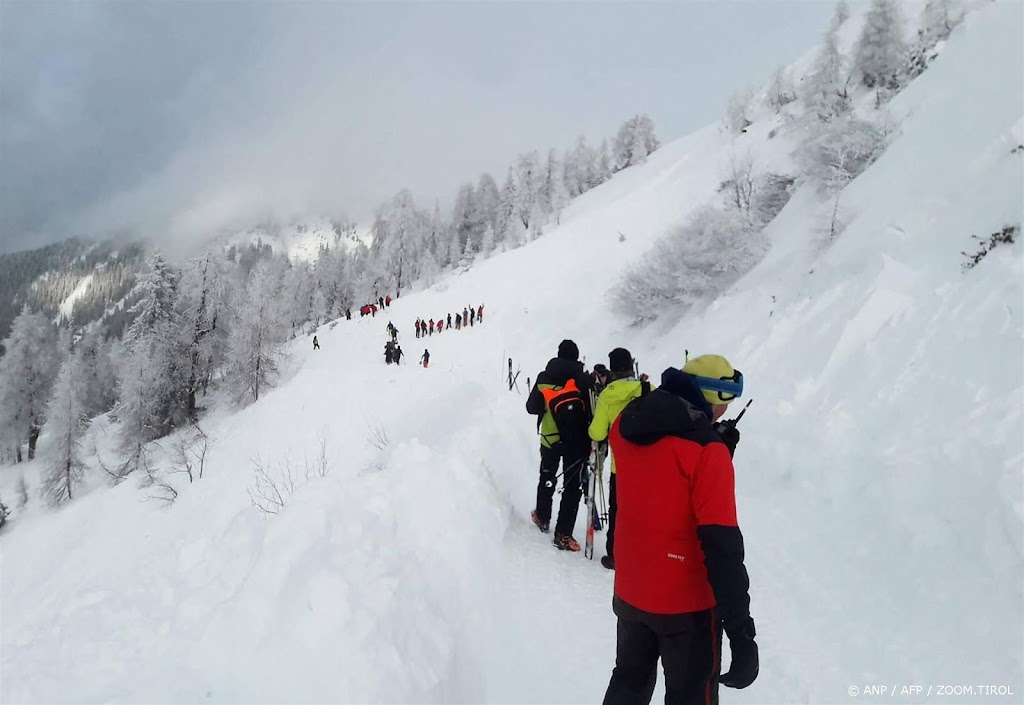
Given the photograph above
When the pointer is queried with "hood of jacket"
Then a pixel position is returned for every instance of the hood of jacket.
(559, 371)
(676, 408)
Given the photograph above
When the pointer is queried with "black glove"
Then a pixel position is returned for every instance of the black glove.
(745, 665)
(730, 435)
(602, 449)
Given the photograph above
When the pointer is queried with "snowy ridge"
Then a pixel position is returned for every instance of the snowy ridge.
(878, 475)
(302, 241)
(68, 305)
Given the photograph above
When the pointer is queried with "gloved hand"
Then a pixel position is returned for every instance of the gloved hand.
(602, 449)
(730, 435)
(745, 664)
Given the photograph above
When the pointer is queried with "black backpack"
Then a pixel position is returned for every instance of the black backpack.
(569, 411)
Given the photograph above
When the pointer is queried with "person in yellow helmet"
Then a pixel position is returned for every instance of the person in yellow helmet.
(680, 579)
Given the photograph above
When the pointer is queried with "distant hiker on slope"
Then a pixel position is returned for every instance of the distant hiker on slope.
(388, 351)
(619, 388)
(316, 343)
(679, 578)
(472, 315)
(458, 322)
(449, 323)
(418, 327)
(431, 326)
(425, 358)
(397, 354)
(480, 314)
(560, 398)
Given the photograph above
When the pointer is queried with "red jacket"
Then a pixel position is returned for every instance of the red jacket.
(677, 544)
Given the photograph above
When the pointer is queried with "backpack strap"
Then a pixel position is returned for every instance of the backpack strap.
(645, 388)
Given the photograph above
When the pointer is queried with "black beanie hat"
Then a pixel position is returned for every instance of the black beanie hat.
(567, 350)
(619, 360)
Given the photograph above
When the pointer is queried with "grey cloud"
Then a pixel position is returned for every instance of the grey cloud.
(176, 119)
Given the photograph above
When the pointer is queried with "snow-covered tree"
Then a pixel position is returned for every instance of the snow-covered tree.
(824, 91)
(781, 91)
(739, 112)
(838, 154)
(582, 168)
(202, 313)
(692, 262)
(488, 200)
(938, 18)
(604, 163)
(99, 372)
(879, 56)
(27, 373)
(634, 141)
(151, 389)
(839, 15)
(464, 214)
(507, 208)
(66, 422)
(257, 336)
(555, 196)
(487, 245)
(529, 186)
(155, 291)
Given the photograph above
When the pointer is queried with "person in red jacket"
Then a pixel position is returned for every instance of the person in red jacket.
(679, 574)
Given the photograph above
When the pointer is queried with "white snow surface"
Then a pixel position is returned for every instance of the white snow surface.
(879, 476)
(67, 306)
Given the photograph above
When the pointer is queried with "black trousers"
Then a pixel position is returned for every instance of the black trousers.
(689, 646)
(573, 460)
(613, 509)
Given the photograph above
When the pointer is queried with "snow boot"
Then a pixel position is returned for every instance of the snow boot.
(542, 525)
(565, 543)
(608, 562)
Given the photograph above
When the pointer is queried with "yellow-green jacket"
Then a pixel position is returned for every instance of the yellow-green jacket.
(610, 404)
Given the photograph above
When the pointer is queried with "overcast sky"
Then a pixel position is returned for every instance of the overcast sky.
(174, 119)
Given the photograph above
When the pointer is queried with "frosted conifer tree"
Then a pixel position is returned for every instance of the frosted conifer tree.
(879, 55)
(840, 15)
(151, 395)
(554, 186)
(257, 336)
(781, 91)
(824, 90)
(27, 373)
(66, 422)
(202, 318)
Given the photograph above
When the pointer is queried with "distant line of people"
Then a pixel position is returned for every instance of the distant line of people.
(469, 316)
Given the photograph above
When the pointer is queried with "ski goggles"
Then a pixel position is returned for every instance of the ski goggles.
(727, 388)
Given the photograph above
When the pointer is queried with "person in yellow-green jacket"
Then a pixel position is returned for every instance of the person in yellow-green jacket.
(623, 388)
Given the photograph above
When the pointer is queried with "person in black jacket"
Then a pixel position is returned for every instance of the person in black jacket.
(567, 446)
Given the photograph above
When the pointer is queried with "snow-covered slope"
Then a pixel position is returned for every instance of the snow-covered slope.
(879, 474)
(68, 304)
